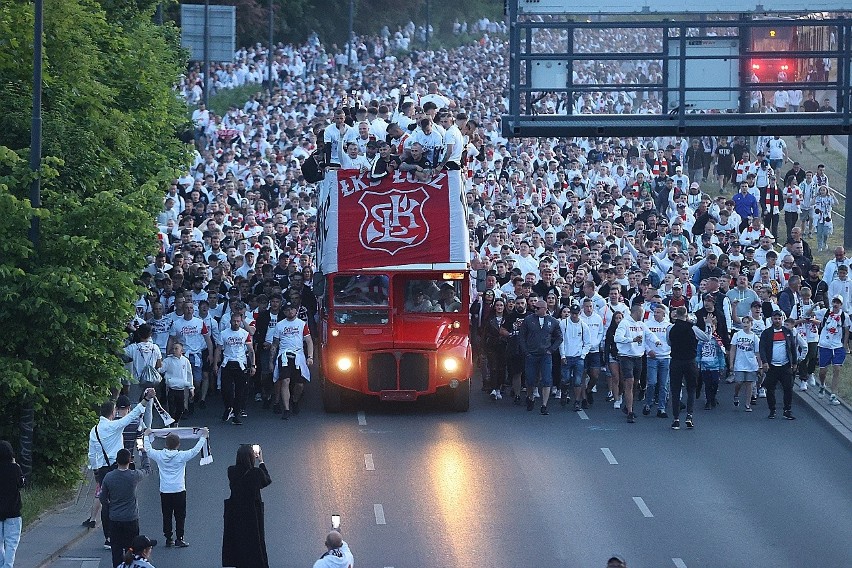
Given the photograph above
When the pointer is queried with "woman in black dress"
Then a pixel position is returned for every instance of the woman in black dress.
(244, 541)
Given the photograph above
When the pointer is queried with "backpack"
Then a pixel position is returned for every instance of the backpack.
(313, 167)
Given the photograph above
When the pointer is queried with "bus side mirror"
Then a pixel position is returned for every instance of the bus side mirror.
(480, 280)
(319, 284)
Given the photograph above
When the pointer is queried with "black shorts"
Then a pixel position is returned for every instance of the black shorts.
(290, 371)
(206, 367)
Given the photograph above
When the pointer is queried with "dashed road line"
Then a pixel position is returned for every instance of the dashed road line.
(679, 563)
(362, 419)
(646, 512)
(609, 457)
(380, 514)
(368, 462)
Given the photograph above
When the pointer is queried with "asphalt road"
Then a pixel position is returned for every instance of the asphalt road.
(418, 486)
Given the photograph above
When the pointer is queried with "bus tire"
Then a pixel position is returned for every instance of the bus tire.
(332, 397)
(460, 397)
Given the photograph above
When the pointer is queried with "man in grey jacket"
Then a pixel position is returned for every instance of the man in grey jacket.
(539, 338)
(118, 494)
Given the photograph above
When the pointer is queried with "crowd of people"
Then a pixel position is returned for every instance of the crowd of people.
(634, 272)
(593, 225)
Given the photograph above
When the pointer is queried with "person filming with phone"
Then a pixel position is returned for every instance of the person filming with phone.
(244, 536)
(338, 554)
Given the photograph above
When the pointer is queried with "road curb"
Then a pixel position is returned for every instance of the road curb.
(838, 417)
(57, 529)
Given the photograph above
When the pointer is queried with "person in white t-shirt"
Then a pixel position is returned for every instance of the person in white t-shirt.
(235, 354)
(290, 339)
(744, 360)
(833, 335)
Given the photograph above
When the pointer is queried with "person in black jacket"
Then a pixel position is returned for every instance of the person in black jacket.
(266, 320)
(539, 338)
(778, 352)
(683, 337)
(11, 482)
(244, 537)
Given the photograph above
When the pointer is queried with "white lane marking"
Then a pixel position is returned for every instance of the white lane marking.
(583, 415)
(609, 457)
(368, 462)
(646, 512)
(380, 514)
(362, 419)
(679, 562)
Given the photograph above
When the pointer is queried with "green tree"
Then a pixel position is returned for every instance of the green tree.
(110, 123)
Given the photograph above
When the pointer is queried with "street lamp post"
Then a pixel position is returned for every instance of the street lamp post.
(27, 418)
(271, 50)
(206, 42)
(351, 31)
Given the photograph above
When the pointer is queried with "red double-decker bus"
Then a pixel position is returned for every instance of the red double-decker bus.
(395, 283)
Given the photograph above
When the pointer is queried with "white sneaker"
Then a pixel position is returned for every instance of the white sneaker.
(595, 388)
(834, 400)
(536, 394)
(499, 395)
(616, 404)
(558, 393)
(803, 386)
(258, 397)
(761, 393)
(493, 394)
(812, 380)
(821, 391)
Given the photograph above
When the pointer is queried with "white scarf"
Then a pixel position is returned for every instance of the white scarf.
(188, 433)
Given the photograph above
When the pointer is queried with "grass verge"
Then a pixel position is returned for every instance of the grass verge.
(224, 99)
(38, 500)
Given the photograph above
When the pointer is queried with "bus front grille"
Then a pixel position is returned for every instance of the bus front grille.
(381, 372)
(414, 372)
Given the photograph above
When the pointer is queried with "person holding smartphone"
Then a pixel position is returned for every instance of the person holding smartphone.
(337, 554)
(244, 537)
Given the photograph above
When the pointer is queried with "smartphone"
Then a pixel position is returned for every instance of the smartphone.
(335, 522)
(256, 449)
(140, 444)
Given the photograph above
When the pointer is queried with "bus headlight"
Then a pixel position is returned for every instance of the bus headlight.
(344, 364)
(335, 332)
(451, 364)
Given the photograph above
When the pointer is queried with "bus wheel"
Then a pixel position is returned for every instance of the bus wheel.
(460, 396)
(332, 397)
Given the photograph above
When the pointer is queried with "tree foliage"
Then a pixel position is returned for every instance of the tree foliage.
(110, 118)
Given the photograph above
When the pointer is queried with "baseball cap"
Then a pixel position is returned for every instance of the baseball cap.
(749, 249)
(694, 184)
(141, 542)
(123, 401)
(677, 285)
(575, 308)
(816, 267)
(837, 298)
(288, 304)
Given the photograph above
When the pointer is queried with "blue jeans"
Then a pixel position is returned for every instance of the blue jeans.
(658, 374)
(538, 366)
(10, 535)
(572, 372)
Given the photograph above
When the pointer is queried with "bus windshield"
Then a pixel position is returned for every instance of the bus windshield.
(361, 299)
(432, 296)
